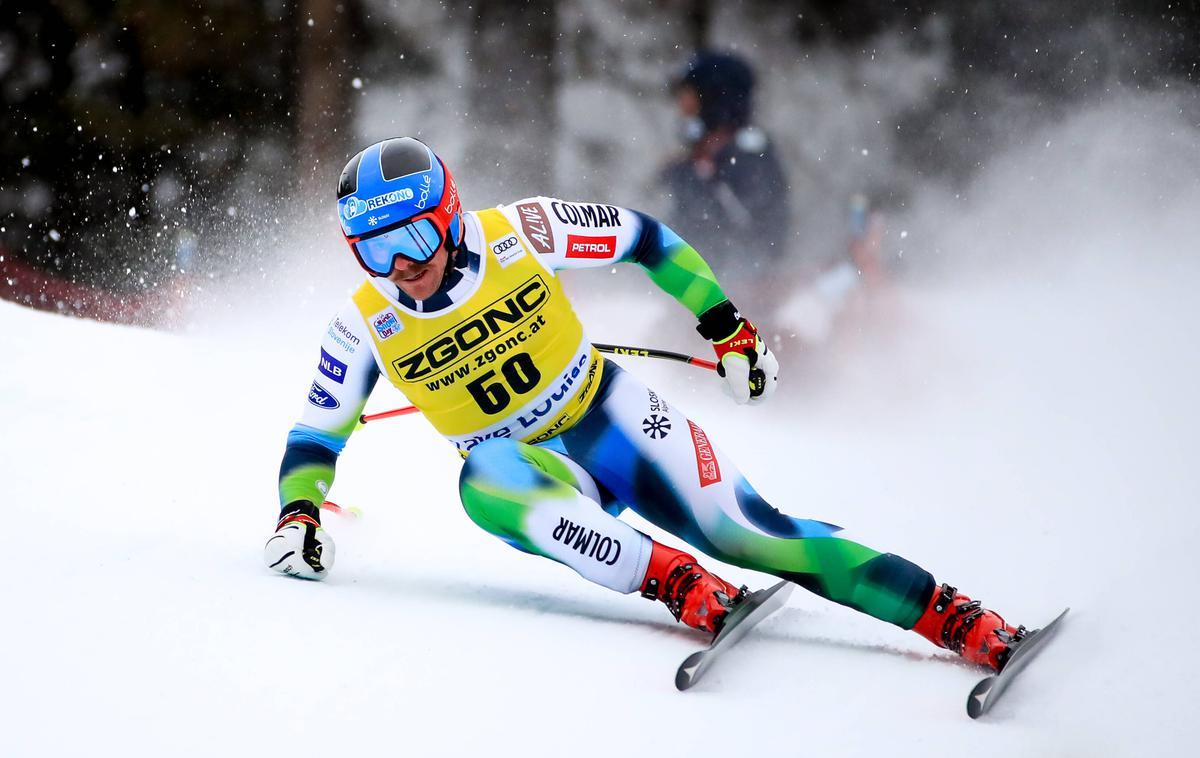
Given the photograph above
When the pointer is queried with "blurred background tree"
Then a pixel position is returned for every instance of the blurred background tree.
(127, 123)
(137, 132)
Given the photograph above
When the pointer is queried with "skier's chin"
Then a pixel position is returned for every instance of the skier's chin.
(417, 286)
(420, 283)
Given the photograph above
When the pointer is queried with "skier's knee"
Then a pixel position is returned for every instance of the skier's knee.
(492, 482)
(493, 461)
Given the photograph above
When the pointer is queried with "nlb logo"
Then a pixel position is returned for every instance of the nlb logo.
(332, 367)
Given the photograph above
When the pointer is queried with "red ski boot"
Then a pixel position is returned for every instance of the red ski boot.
(694, 596)
(958, 623)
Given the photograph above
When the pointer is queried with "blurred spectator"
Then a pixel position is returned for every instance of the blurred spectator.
(729, 191)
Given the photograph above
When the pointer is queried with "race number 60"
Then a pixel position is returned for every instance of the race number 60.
(518, 372)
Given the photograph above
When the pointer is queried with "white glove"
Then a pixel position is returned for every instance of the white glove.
(300, 546)
(749, 368)
(750, 376)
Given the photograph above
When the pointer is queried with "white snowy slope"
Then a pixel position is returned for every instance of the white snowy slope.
(1030, 434)
(1037, 460)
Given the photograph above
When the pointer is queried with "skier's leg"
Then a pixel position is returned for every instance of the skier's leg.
(541, 502)
(664, 467)
(656, 461)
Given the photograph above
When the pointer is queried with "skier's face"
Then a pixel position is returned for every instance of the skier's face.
(688, 101)
(419, 280)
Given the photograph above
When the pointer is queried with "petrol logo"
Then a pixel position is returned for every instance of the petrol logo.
(582, 246)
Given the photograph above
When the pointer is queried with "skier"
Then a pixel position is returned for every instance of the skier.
(464, 314)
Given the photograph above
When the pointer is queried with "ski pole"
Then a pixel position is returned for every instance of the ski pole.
(350, 513)
(641, 352)
(649, 352)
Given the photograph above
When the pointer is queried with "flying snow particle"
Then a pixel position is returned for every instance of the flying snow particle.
(54, 235)
(231, 212)
(356, 83)
(865, 151)
(25, 163)
(133, 212)
(311, 23)
(903, 235)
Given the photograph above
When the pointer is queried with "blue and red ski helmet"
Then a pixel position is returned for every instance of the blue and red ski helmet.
(396, 197)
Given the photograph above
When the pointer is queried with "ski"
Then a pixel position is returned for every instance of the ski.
(988, 691)
(753, 609)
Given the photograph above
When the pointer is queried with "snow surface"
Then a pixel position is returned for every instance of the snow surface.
(1034, 444)
(1027, 433)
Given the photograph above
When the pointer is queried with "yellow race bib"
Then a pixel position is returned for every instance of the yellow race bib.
(510, 360)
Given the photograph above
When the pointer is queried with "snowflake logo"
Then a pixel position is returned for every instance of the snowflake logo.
(656, 427)
(372, 221)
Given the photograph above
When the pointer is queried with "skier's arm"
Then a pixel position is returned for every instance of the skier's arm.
(566, 235)
(346, 373)
(344, 377)
(750, 370)
(675, 266)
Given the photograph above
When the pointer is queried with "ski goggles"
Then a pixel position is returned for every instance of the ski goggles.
(417, 240)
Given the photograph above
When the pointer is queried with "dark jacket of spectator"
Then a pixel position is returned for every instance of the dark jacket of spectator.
(729, 191)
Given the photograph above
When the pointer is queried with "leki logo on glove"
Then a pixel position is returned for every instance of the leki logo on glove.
(581, 246)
